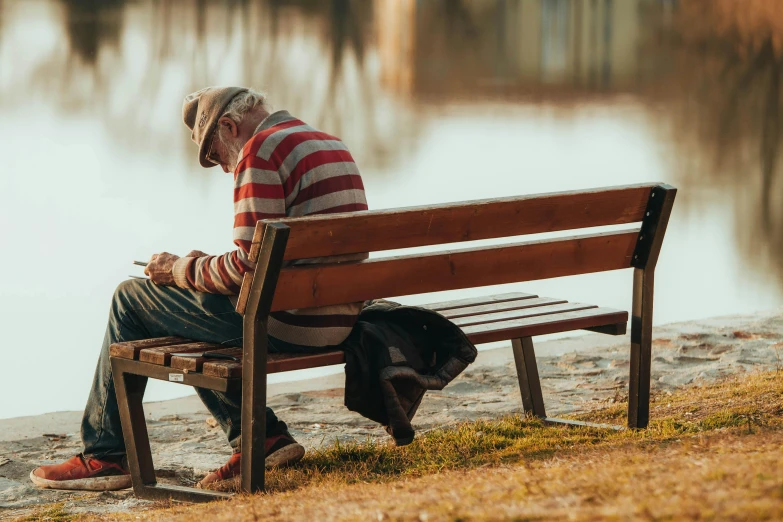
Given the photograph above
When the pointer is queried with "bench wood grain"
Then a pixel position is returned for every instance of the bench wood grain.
(162, 354)
(376, 231)
(131, 349)
(309, 287)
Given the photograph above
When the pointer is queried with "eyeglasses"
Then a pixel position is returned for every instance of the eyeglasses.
(212, 156)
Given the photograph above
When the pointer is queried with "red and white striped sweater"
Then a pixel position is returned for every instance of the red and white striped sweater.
(286, 169)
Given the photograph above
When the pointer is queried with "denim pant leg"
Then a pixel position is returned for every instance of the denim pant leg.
(140, 310)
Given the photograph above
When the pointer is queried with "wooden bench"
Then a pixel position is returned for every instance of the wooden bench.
(511, 316)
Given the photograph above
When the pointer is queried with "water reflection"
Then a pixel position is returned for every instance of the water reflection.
(371, 71)
(438, 100)
(550, 49)
(376, 73)
(722, 100)
(92, 25)
(358, 66)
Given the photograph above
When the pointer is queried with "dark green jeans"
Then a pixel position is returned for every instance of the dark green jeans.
(141, 309)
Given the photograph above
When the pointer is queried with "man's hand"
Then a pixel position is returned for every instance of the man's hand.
(197, 253)
(160, 268)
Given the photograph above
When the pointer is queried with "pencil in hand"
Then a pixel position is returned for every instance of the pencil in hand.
(139, 263)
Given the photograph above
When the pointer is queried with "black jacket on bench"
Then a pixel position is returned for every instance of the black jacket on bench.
(393, 355)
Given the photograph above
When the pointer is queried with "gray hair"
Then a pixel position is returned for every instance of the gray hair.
(240, 105)
(243, 103)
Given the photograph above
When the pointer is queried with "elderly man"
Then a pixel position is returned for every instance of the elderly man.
(282, 167)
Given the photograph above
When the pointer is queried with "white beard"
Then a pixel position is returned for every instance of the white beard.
(233, 149)
(234, 153)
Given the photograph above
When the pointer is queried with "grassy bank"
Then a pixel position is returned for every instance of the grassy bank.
(713, 452)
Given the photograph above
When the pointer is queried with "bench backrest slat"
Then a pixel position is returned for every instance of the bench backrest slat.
(306, 287)
(374, 231)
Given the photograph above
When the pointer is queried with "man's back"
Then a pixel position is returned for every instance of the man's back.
(316, 172)
(290, 169)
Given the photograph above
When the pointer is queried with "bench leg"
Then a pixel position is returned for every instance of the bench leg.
(527, 373)
(530, 386)
(130, 393)
(253, 465)
(129, 389)
(641, 348)
(254, 350)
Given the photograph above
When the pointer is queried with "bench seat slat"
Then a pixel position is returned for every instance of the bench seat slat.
(477, 301)
(224, 369)
(131, 349)
(508, 315)
(162, 354)
(195, 364)
(543, 325)
(480, 333)
(550, 316)
(519, 304)
(276, 363)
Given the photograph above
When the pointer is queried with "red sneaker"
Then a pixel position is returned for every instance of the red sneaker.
(281, 450)
(82, 473)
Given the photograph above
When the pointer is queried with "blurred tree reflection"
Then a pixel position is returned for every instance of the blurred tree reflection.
(347, 35)
(309, 54)
(331, 60)
(723, 98)
(91, 25)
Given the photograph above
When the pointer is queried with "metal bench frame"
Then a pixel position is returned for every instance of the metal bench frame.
(130, 376)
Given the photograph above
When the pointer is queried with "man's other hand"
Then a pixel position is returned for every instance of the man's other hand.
(197, 253)
(160, 268)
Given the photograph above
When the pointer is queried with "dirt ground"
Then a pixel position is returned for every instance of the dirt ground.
(718, 477)
(578, 374)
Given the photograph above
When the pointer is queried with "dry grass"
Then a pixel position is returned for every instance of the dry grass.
(52, 513)
(749, 403)
(710, 453)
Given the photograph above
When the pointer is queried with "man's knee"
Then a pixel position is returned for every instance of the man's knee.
(128, 292)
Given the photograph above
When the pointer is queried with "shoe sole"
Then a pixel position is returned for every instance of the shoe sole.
(112, 483)
(285, 456)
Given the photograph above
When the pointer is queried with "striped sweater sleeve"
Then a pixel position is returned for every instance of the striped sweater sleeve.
(258, 194)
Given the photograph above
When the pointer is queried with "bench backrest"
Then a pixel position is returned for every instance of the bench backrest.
(288, 239)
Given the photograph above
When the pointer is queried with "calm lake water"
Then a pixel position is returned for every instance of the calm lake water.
(438, 100)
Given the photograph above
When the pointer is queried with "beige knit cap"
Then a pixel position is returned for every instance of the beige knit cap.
(201, 111)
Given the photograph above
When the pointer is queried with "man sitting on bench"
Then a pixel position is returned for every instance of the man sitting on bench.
(282, 167)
